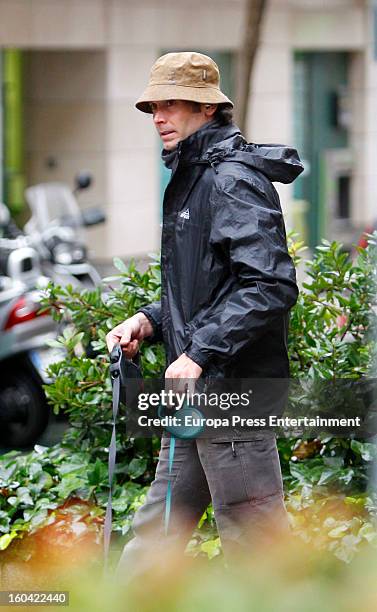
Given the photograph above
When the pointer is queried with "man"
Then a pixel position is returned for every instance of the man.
(227, 286)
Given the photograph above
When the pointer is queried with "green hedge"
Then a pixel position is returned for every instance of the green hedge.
(332, 335)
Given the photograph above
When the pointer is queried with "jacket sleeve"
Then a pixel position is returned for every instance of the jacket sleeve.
(248, 235)
(153, 314)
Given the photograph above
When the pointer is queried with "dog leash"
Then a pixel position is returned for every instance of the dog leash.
(120, 369)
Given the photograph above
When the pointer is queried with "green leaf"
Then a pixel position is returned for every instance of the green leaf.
(68, 485)
(368, 532)
(150, 355)
(328, 475)
(366, 450)
(6, 539)
(24, 497)
(211, 547)
(137, 467)
(98, 475)
(358, 502)
(338, 531)
(4, 522)
(120, 265)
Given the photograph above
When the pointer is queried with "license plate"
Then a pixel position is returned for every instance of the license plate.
(44, 357)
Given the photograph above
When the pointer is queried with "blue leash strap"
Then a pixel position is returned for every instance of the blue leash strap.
(183, 432)
(169, 489)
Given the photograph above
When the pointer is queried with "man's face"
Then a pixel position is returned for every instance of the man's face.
(175, 120)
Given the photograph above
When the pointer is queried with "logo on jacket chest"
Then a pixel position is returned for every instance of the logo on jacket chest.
(185, 214)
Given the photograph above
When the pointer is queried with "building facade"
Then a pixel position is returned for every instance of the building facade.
(85, 62)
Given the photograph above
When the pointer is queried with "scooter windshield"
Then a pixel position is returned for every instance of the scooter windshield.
(52, 204)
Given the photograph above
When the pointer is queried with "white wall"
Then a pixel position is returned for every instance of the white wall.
(66, 121)
(53, 23)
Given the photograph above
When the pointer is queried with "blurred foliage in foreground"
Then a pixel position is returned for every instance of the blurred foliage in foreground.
(332, 335)
(303, 578)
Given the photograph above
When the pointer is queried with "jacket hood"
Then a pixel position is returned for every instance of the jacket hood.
(214, 144)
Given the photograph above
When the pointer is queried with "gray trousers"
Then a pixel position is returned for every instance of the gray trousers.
(243, 480)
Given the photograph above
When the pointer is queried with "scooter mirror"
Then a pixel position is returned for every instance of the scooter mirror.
(83, 180)
(92, 216)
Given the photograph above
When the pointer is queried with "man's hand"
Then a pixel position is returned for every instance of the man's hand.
(183, 367)
(185, 372)
(130, 333)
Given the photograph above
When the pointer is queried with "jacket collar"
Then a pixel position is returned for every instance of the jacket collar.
(213, 143)
(194, 147)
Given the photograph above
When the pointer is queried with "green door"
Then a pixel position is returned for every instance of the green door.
(320, 124)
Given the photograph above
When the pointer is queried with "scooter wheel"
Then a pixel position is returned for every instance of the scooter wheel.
(23, 411)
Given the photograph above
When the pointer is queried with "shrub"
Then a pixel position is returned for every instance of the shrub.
(332, 335)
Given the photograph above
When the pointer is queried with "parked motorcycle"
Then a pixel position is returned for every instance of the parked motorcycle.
(24, 356)
(51, 248)
(24, 353)
(55, 231)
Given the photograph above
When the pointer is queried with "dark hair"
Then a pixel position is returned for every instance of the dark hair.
(223, 113)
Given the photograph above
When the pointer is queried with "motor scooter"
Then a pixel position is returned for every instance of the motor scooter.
(24, 357)
(55, 229)
(24, 333)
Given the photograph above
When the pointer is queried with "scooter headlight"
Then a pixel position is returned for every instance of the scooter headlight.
(65, 256)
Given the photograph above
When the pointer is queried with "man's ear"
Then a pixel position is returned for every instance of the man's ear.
(210, 109)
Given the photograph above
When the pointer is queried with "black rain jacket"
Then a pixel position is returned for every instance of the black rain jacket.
(227, 279)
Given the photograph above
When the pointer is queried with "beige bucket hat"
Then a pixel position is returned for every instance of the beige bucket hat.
(183, 76)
